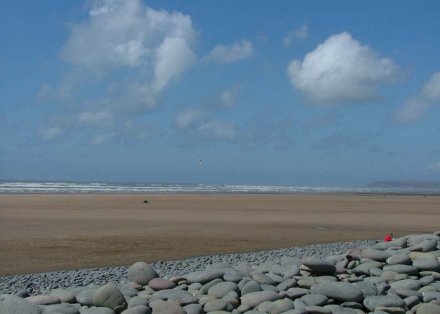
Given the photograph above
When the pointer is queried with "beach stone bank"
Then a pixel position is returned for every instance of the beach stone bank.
(397, 277)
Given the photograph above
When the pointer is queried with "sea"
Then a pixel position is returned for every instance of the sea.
(48, 187)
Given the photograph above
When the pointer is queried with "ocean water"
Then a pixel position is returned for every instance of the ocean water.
(115, 187)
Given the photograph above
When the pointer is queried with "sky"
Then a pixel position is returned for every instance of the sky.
(263, 92)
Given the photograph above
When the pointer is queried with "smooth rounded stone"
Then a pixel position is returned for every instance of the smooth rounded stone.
(366, 287)
(299, 304)
(290, 260)
(403, 259)
(130, 293)
(404, 293)
(427, 265)
(64, 295)
(277, 279)
(421, 255)
(376, 255)
(428, 288)
(314, 299)
(160, 284)
(281, 306)
(376, 272)
(337, 309)
(193, 308)
(265, 307)
(424, 246)
(63, 308)
(141, 273)
(110, 296)
(390, 310)
(428, 308)
(268, 288)
(220, 289)
(375, 280)
(389, 275)
(382, 288)
(138, 300)
(364, 268)
(297, 292)
(215, 305)
(204, 276)
(11, 304)
(262, 278)
(232, 297)
(407, 284)
(342, 291)
(181, 296)
(426, 280)
(291, 270)
(251, 286)
(85, 297)
(319, 266)
(286, 284)
(372, 302)
(411, 301)
(386, 245)
(352, 305)
(244, 268)
(434, 274)
(306, 282)
(44, 299)
(402, 269)
(252, 299)
(166, 307)
(430, 295)
(139, 309)
(97, 310)
(232, 275)
(313, 309)
(204, 289)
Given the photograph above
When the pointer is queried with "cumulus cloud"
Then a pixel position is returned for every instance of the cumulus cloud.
(298, 33)
(229, 54)
(341, 70)
(128, 38)
(415, 108)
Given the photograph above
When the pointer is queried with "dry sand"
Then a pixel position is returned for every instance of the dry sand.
(53, 232)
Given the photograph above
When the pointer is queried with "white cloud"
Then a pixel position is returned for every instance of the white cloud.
(188, 117)
(148, 47)
(228, 97)
(415, 108)
(229, 54)
(51, 133)
(100, 139)
(218, 129)
(299, 33)
(100, 119)
(341, 70)
(433, 167)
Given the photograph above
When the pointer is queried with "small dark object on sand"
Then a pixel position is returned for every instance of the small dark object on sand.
(145, 201)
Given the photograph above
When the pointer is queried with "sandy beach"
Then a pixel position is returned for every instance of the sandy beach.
(41, 232)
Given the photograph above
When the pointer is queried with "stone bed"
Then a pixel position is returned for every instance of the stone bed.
(401, 276)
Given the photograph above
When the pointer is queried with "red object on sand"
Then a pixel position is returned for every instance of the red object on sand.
(388, 237)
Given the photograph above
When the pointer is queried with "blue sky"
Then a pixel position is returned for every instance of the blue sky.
(285, 92)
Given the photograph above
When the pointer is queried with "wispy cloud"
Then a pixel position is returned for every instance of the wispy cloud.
(433, 167)
(298, 33)
(341, 70)
(229, 54)
(416, 107)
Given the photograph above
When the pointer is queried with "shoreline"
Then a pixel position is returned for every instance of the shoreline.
(42, 232)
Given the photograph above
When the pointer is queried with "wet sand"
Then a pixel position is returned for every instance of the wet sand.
(40, 232)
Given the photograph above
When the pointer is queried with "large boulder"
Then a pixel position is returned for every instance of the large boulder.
(141, 273)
